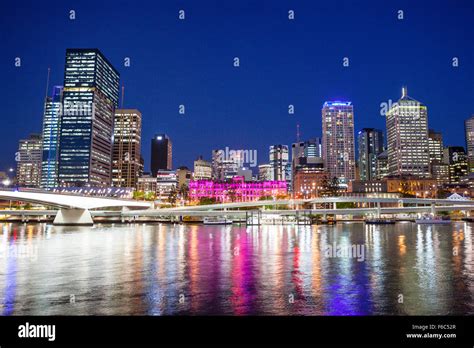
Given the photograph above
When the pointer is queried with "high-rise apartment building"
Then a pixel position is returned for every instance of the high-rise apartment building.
(90, 97)
(338, 140)
(28, 161)
(469, 131)
(50, 137)
(161, 153)
(281, 171)
(407, 138)
(127, 166)
(370, 145)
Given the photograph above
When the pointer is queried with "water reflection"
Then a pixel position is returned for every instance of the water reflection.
(142, 269)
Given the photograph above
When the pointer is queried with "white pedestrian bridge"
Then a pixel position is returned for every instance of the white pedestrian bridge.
(73, 209)
(76, 210)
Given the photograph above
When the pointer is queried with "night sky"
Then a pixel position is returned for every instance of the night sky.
(282, 62)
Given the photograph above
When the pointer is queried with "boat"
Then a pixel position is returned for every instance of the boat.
(433, 220)
(216, 220)
(379, 221)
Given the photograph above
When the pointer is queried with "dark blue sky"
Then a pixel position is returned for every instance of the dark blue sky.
(283, 62)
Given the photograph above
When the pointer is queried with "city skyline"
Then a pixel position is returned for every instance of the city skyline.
(212, 89)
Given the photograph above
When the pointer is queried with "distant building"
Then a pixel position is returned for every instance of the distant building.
(246, 173)
(147, 184)
(236, 190)
(338, 140)
(51, 125)
(223, 168)
(370, 145)
(28, 161)
(381, 166)
(455, 157)
(127, 166)
(279, 160)
(161, 153)
(469, 131)
(90, 96)
(440, 172)
(202, 169)
(309, 178)
(435, 146)
(407, 138)
(402, 185)
(166, 182)
(183, 176)
(265, 172)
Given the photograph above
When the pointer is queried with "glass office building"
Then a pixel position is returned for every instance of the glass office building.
(51, 126)
(90, 96)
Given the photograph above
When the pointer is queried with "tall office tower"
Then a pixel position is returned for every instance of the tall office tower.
(455, 157)
(126, 154)
(435, 146)
(407, 138)
(381, 166)
(28, 161)
(265, 172)
(279, 162)
(370, 145)
(224, 168)
(469, 130)
(161, 153)
(51, 126)
(297, 152)
(338, 140)
(90, 96)
(202, 169)
(312, 148)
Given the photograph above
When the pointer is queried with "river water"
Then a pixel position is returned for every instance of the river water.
(162, 269)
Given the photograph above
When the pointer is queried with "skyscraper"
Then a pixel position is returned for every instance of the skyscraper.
(338, 140)
(28, 161)
(370, 145)
(161, 153)
(51, 126)
(455, 157)
(435, 146)
(126, 155)
(90, 96)
(469, 130)
(407, 138)
(279, 162)
(224, 167)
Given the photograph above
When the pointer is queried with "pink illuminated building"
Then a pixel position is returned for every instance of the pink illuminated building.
(237, 190)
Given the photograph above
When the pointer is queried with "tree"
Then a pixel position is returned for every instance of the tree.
(173, 196)
(206, 201)
(330, 187)
(184, 192)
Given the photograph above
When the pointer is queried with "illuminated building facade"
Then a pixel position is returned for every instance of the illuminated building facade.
(50, 146)
(279, 163)
(338, 140)
(469, 131)
(202, 169)
(456, 159)
(126, 155)
(28, 161)
(370, 145)
(236, 189)
(90, 96)
(407, 138)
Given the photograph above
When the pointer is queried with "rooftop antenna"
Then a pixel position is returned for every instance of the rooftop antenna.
(404, 91)
(47, 84)
(123, 94)
(297, 132)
